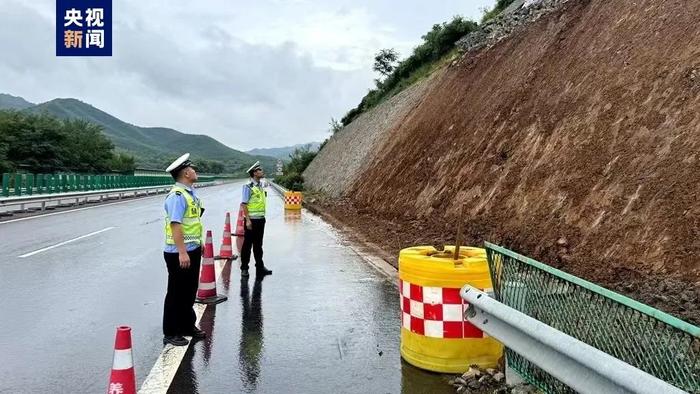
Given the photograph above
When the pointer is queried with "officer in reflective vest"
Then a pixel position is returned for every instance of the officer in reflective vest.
(182, 253)
(253, 207)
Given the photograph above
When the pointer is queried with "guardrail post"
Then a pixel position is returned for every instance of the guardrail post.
(30, 184)
(18, 184)
(5, 184)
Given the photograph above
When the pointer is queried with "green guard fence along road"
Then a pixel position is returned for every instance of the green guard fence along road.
(644, 337)
(31, 184)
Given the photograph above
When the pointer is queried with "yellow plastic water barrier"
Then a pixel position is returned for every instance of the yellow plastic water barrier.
(434, 334)
(292, 200)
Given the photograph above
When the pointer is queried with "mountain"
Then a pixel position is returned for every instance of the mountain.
(283, 152)
(12, 102)
(153, 147)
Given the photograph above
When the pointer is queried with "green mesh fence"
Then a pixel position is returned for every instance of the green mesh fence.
(638, 334)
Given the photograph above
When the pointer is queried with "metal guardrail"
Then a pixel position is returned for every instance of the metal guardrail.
(42, 202)
(279, 188)
(16, 184)
(578, 365)
(644, 337)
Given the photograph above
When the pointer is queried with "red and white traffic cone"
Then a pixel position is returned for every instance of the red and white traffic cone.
(206, 292)
(123, 379)
(240, 230)
(226, 251)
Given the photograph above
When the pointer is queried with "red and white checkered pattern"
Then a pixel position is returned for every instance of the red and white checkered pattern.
(293, 199)
(435, 312)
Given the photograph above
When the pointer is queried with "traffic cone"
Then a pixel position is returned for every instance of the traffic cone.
(123, 379)
(240, 230)
(226, 251)
(240, 224)
(206, 292)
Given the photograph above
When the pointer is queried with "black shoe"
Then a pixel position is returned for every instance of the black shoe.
(196, 333)
(244, 273)
(175, 340)
(263, 271)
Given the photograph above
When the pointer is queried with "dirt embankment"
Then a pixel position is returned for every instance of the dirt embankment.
(575, 141)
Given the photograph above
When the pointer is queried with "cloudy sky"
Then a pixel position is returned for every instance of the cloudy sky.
(250, 74)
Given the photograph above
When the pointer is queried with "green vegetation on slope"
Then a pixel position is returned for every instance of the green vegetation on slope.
(41, 143)
(438, 47)
(497, 9)
(155, 147)
(437, 44)
(299, 160)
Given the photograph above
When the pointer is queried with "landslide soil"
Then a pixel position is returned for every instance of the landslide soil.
(574, 141)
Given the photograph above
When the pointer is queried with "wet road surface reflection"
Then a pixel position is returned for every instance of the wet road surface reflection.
(326, 322)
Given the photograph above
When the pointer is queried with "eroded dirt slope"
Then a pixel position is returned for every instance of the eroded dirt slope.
(575, 141)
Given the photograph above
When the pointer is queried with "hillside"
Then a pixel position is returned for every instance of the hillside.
(283, 152)
(13, 102)
(153, 147)
(574, 141)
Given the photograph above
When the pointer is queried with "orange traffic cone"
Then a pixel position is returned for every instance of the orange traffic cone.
(226, 251)
(240, 224)
(206, 292)
(240, 230)
(123, 379)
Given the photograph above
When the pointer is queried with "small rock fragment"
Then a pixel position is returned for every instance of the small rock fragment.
(491, 371)
(499, 376)
(471, 373)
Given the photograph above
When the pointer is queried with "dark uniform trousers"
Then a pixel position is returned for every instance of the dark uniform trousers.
(178, 315)
(253, 238)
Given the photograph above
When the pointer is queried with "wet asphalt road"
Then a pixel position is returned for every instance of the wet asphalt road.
(325, 321)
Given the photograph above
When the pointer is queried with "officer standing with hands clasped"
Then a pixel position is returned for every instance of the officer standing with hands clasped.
(182, 253)
(253, 207)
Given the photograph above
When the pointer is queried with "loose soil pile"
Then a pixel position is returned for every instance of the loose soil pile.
(575, 142)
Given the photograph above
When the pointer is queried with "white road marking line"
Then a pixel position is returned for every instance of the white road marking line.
(66, 242)
(163, 372)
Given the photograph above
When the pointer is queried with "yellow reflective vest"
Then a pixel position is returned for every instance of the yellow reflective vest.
(256, 204)
(191, 221)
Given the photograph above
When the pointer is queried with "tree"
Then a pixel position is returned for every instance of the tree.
(299, 160)
(385, 61)
(42, 143)
(121, 162)
(335, 126)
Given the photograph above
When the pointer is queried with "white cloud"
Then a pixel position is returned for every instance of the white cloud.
(266, 74)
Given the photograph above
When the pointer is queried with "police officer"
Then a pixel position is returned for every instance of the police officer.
(182, 253)
(253, 207)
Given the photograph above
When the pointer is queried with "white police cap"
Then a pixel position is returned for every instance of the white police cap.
(254, 167)
(181, 162)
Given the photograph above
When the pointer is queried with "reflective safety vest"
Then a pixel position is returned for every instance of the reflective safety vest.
(256, 204)
(191, 222)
